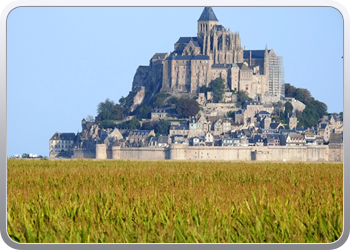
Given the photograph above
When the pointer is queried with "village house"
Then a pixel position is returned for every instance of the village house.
(310, 138)
(61, 143)
(158, 114)
(181, 129)
(294, 139)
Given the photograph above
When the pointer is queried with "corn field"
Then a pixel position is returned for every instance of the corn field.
(173, 201)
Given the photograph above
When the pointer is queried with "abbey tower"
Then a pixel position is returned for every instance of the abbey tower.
(214, 52)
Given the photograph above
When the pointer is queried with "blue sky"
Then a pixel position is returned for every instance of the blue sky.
(63, 61)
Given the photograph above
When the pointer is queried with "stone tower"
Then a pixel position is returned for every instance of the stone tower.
(206, 21)
(293, 121)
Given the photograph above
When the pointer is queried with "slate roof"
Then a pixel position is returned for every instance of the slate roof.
(323, 126)
(63, 136)
(208, 15)
(189, 57)
(160, 55)
(219, 27)
(139, 132)
(179, 127)
(187, 39)
(263, 112)
(221, 66)
(255, 53)
(287, 131)
(274, 125)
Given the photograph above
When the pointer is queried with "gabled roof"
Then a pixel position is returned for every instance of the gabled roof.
(208, 15)
(63, 136)
(186, 39)
(274, 125)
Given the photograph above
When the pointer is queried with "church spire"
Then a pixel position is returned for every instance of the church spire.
(208, 15)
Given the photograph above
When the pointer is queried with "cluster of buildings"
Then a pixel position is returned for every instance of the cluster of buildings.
(202, 131)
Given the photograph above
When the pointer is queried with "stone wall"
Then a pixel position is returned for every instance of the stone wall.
(146, 153)
(83, 153)
(252, 153)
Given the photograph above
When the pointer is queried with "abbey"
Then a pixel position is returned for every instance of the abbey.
(214, 52)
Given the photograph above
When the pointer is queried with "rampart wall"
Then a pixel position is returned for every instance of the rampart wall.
(251, 153)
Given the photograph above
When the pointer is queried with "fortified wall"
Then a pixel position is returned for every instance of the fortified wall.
(251, 153)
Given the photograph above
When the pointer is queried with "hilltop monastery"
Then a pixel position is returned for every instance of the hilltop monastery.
(214, 52)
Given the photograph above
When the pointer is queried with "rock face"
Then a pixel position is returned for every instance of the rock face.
(214, 52)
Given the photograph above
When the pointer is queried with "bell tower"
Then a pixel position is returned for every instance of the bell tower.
(206, 21)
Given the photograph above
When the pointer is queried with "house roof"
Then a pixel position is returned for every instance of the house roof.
(139, 132)
(323, 125)
(274, 125)
(263, 112)
(208, 15)
(63, 136)
(308, 133)
(295, 135)
(179, 127)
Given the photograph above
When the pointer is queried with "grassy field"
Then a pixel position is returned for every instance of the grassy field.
(169, 201)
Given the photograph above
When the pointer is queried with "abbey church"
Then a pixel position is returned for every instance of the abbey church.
(214, 52)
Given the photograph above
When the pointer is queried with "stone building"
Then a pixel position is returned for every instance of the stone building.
(214, 52)
(62, 144)
(292, 120)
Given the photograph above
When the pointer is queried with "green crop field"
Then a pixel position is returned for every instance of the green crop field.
(172, 201)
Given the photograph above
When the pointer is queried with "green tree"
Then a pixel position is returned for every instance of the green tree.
(143, 111)
(149, 125)
(218, 89)
(303, 95)
(241, 98)
(288, 108)
(134, 123)
(204, 89)
(107, 124)
(108, 110)
(321, 108)
(173, 100)
(290, 90)
(90, 118)
(186, 107)
(162, 127)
